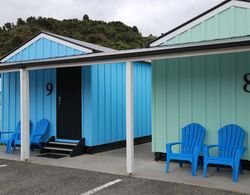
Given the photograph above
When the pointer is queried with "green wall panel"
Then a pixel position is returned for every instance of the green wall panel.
(205, 89)
(231, 22)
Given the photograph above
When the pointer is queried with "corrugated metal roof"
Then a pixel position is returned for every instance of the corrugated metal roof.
(96, 48)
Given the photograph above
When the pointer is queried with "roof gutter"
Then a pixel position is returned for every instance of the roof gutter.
(157, 53)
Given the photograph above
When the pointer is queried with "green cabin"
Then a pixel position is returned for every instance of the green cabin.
(205, 89)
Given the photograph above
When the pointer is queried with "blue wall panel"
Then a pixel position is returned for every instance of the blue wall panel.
(103, 99)
(41, 105)
(86, 105)
(44, 48)
(108, 102)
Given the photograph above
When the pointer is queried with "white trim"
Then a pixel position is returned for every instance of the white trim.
(158, 57)
(51, 38)
(129, 118)
(149, 56)
(25, 114)
(199, 20)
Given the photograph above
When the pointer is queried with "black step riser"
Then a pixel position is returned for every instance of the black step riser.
(57, 147)
(57, 152)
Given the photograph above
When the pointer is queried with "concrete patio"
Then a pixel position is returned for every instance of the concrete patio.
(115, 162)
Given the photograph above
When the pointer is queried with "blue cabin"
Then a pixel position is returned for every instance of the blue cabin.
(80, 102)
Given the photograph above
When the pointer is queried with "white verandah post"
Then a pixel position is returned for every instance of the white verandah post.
(129, 118)
(25, 115)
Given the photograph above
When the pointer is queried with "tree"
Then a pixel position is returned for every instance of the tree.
(135, 29)
(85, 17)
(115, 35)
(20, 21)
(8, 26)
(31, 20)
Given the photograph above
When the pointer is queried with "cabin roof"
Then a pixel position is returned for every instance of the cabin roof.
(74, 43)
(227, 3)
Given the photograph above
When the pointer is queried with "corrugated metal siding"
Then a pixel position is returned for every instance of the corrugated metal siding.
(232, 22)
(108, 103)
(86, 105)
(142, 99)
(41, 105)
(206, 89)
(103, 96)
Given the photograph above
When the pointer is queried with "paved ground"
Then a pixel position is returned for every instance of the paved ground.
(28, 178)
(114, 162)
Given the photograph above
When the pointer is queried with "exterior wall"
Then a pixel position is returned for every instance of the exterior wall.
(41, 105)
(232, 22)
(105, 112)
(207, 90)
(44, 48)
(103, 89)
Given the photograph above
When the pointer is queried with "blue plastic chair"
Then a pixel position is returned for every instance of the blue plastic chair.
(39, 132)
(35, 136)
(191, 145)
(9, 141)
(17, 137)
(230, 150)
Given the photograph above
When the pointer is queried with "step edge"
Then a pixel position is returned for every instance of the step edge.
(63, 143)
(58, 149)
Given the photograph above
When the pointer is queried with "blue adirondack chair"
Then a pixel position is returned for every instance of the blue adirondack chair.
(191, 145)
(9, 141)
(16, 140)
(39, 132)
(35, 136)
(230, 150)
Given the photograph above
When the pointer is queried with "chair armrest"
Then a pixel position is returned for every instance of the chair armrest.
(240, 151)
(169, 146)
(206, 149)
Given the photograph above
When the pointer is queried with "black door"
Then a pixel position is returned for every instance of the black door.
(69, 125)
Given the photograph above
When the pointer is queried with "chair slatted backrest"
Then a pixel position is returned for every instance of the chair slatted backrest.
(40, 130)
(192, 136)
(18, 130)
(230, 138)
(17, 133)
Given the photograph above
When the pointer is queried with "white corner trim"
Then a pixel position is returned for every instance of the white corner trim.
(51, 38)
(199, 20)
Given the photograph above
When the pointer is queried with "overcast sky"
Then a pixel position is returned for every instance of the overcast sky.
(150, 16)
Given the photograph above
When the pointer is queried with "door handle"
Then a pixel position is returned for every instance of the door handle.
(59, 101)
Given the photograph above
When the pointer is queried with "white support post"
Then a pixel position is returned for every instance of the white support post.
(25, 115)
(129, 118)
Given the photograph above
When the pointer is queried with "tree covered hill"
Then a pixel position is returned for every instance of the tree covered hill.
(115, 35)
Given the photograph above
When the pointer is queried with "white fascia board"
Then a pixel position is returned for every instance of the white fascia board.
(149, 57)
(51, 38)
(199, 20)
